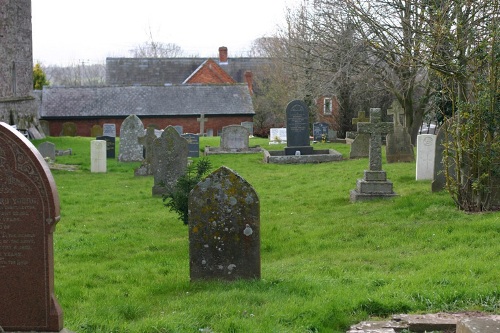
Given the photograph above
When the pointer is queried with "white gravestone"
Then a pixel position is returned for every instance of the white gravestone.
(277, 135)
(97, 156)
(426, 152)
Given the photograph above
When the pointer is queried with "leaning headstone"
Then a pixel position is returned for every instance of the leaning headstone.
(96, 131)
(297, 129)
(130, 148)
(321, 132)
(48, 150)
(169, 160)
(193, 144)
(277, 135)
(98, 156)
(249, 126)
(234, 138)
(109, 130)
(147, 142)
(398, 146)
(374, 184)
(68, 129)
(110, 145)
(360, 147)
(29, 212)
(224, 228)
(426, 152)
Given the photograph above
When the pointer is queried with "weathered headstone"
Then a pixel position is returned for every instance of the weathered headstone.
(29, 212)
(147, 142)
(320, 132)
(109, 130)
(297, 129)
(169, 160)
(224, 228)
(426, 152)
(360, 147)
(234, 138)
(47, 150)
(45, 126)
(68, 129)
(398, 146)
(96, 131)
(110, 145)
(249, 126)
(193, 144)
(98, 156)
(277, 135)
(179, 129)
(375, 183)
(202, 120)
(130, 131)
(439, 178)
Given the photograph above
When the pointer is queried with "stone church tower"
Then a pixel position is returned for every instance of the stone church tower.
(17, 101)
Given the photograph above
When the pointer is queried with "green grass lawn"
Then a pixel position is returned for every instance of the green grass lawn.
(122, 262)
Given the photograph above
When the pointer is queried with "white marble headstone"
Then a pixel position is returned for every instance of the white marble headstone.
(426, 153)
(98, 156)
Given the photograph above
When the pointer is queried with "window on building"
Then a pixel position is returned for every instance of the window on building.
(327, 105)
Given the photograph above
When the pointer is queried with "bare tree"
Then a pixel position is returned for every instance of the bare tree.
(154, 49)
(77, 75)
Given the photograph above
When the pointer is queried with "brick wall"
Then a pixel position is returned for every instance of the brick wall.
(189, 124)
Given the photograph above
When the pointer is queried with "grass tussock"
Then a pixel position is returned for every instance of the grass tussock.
(122, 263)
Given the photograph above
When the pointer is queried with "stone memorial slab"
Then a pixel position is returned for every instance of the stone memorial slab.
(147, 141)
(130, 148)
(375, 183)
(426, 152)
(398, 146)
(98, 156)
(249, 126)
(29, 212)
(234, 138)
(169, 160)
(321, 132)
(47, 150)
(297, 129)
(96, 131)
(277, 135)
(109, 130)
(224, 228)
(110, 145)
(193, 144)
(68, 129)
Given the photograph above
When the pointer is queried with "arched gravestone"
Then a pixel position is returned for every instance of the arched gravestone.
(224, 228)
(29, 212)
(130, 148)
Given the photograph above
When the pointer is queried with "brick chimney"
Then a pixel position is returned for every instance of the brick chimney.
(222, 55)
(249, 80)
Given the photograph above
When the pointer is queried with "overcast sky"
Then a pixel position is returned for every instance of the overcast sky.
(70, 31)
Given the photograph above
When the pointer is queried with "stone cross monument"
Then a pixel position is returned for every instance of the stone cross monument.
(375, 183)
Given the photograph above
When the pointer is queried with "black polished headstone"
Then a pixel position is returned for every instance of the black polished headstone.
(297, 128)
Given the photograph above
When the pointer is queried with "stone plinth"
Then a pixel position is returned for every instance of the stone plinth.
(479, 325)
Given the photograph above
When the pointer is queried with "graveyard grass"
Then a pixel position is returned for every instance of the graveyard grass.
(122, 263)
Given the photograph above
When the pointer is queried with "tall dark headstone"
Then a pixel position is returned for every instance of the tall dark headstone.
(224, 228)
(193, 144)
(29, 212)
(375, 183)
(169, 160)
(297, 129)
(110, 145)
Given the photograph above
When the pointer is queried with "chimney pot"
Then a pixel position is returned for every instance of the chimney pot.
(222, 55)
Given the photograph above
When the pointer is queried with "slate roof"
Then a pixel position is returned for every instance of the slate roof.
(156, 101)
(158, 71)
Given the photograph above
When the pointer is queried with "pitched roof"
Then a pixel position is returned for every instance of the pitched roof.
(159, 71)
(209, 72)
(156, 101)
